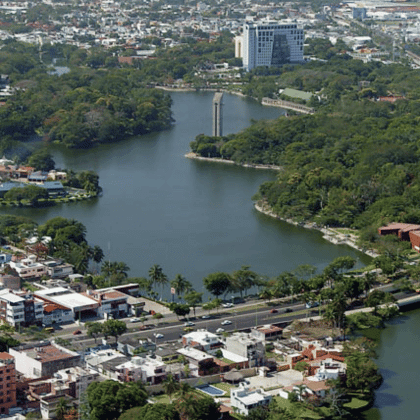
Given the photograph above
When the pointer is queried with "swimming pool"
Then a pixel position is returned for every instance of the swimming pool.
(211, 390)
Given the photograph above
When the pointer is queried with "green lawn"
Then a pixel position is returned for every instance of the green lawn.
(357, 402)
(297, 408)
(164, 399)
(224, 386)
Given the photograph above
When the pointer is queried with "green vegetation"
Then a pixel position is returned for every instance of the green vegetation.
(108, 399)
(353, 163)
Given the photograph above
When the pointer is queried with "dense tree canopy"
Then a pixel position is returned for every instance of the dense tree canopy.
(109, 399)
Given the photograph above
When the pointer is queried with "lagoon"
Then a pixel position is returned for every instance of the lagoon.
(188, 216)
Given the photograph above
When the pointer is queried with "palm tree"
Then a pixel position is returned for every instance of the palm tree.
(158, 277)
(170, 385)
(61, 409)
(97, 254)
(301, 388)
(187, 406)
(244, 279)
(368, 281)
(185, 389)
(181, 285)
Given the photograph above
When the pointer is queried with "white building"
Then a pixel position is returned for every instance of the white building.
(21, 309)
(145, 369)
(244, 400)
(77, 303)
(29, 269)
(43, 359)
(203, 340)
(271, 44)
(246, 346)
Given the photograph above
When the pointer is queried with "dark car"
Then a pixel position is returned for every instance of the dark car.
(273, 311)
(77, 332)
(288, 310)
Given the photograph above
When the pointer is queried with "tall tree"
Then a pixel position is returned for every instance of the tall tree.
(114, 327)
(109, 399)
(181, 285)
(217, 283)
(158, 277)
(94, 329)
(170, 386)
(194, 299)
(244, 278)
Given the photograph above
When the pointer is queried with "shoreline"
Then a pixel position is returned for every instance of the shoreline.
(329, 235)
(192, 155)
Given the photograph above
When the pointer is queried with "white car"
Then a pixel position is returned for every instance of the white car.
(189, 324)
(205, 317)
(135, 320)
(220, 330)
(226, 322)
(228, 305)
(159, 335)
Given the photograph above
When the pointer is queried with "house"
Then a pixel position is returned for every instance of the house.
(202, 340)
(131, 346)
(229, 360)
(56, 269)
(243, 399)
(54, 189)
(202, 363)
(28, 268)
(8, 382)
(146, 369)
(95, 359)
(247, 346)
(38, 177)
(168, 352)
(49, 403)
(43, 359)
(267, 332)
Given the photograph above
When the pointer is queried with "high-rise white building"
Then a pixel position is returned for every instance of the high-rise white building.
(271, 44)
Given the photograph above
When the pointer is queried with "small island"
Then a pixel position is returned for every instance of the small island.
(41, 185)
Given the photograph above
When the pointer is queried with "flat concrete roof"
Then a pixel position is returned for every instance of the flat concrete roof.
(67, 298)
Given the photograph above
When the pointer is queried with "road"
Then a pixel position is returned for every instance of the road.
(242, 317)
(174, 329)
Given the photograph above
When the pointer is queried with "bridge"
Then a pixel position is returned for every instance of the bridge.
(288, 105)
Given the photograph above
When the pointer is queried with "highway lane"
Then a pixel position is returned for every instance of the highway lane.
(173, 331)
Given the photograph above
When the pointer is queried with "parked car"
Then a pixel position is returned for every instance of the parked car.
(228, 305)
(135, 320)
(189, 324)
(220, 330)
(226, 322)
(77, 332)
(159, 335)
(205, 317)
(273, 311)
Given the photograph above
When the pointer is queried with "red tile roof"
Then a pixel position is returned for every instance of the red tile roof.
(5, 356)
